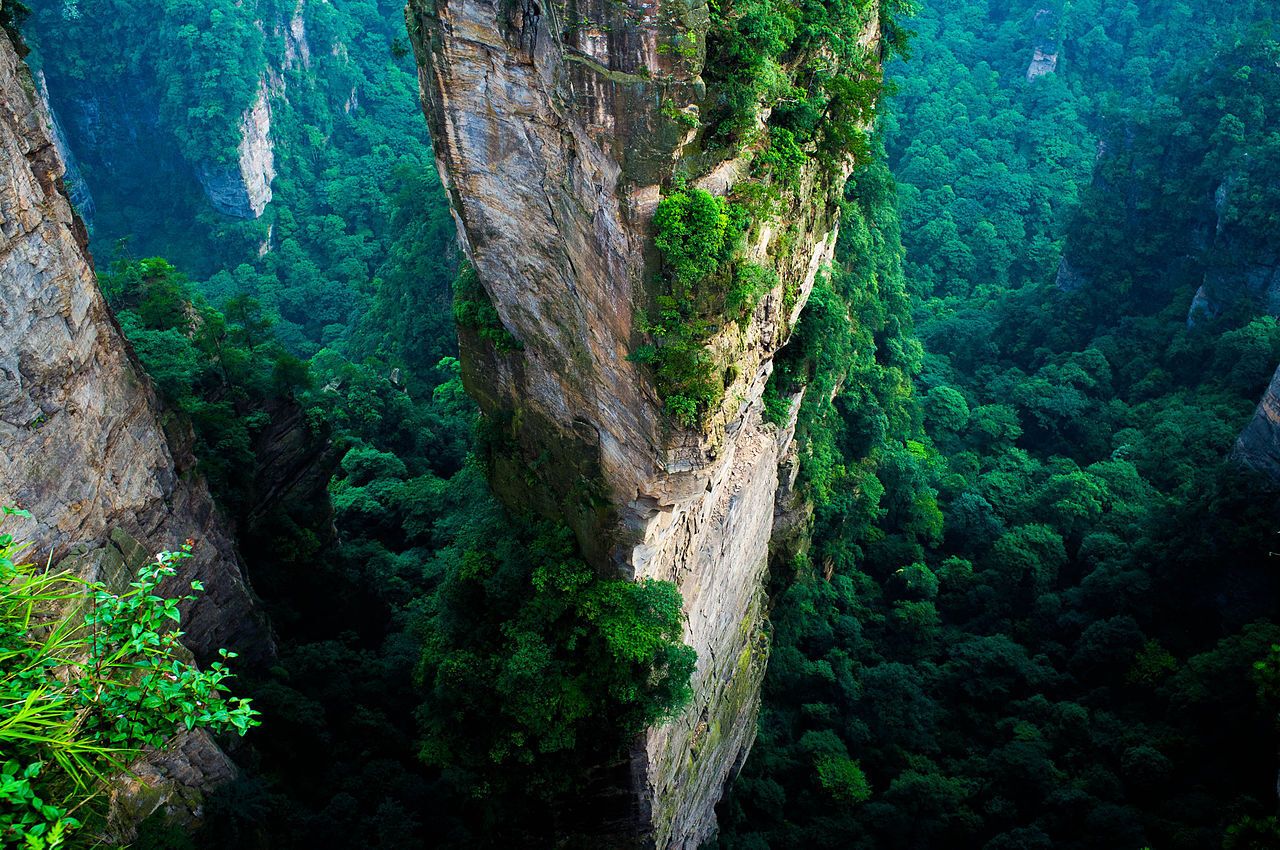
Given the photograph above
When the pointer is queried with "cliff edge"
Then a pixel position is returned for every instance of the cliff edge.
(85, 448)
(559, 128)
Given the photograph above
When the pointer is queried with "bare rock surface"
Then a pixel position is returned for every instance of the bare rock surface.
(1258, 446)
(242, 187)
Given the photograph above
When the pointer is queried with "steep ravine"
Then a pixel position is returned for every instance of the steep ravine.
(117, 115)
(555, 142)
(83, 442)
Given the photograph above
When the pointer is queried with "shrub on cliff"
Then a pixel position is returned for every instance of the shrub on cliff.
(90, 679)
(536, 669)
(698, 235)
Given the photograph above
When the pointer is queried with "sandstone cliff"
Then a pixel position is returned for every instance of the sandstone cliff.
(77, 188)
(242, 187)
(557, 128)
(84, 443)
(1245, 269)
(1242, 270)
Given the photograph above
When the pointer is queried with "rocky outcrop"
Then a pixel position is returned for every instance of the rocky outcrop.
(242, 187)
(297, 48)
(556, 129)
(294, 465)
(1258, 446)
(1044, 57)
(169, 783)
(83, 442)
(1241, 269)
(1043, 63)
(1069, 277)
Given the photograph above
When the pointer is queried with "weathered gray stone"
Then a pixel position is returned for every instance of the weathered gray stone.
(82, 433)
(556, 127)
(242, 188)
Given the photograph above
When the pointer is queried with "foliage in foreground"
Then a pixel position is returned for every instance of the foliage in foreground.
(89, 680)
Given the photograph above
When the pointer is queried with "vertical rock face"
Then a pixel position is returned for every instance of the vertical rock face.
(1242, 269)
(242, 188)
(1258, 446)
(556, 126)
(82, 444)
(1044, 58)
(77, 189)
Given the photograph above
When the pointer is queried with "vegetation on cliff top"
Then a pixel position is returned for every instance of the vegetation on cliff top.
(805, 64)
(806, 69)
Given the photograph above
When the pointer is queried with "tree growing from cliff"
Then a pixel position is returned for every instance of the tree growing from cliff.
(536, 669)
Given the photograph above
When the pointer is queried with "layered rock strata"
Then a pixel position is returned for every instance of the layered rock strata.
(557, 128)
(83, 438)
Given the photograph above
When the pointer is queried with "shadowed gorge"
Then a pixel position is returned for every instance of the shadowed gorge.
(745, 424)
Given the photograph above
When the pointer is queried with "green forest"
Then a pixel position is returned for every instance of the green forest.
(1054, 626)
(1036, 600)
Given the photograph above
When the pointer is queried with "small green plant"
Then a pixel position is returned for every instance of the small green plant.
(473, 310)
(751, 282)
(682, 44)
(698, 234)
(685, 118)
(783, 158)
(777, 408)
(843, 779)
(89, 679)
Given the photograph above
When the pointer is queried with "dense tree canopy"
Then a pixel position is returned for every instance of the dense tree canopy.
(1022, 632)
(1034, 605)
